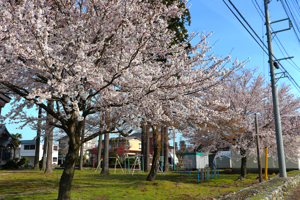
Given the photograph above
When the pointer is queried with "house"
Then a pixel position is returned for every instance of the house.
(28, 150)
(134, 147)
(122, 146)
(8, 145)
(64, 146)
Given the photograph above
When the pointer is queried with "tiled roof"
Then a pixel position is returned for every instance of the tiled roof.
(27, 141)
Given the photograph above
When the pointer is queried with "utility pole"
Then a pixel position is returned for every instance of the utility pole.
(258, 147)
(280, 149)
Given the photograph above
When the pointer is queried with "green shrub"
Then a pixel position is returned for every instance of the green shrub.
(23, 161)
(112, 158)
(11, 164)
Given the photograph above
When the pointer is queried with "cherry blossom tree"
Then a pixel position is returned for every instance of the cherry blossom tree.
(249, 94)
(101, 56)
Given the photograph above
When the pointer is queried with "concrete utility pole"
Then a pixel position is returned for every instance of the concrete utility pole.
(258, 147)
(280, 149)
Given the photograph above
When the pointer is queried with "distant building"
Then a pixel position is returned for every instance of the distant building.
(64, 146)
(28, 150)
(8, 145)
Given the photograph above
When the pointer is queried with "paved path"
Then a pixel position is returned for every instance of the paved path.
(294, 194)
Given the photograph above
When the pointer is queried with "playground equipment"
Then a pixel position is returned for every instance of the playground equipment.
(136, 161)
(207, 172)
(116, 163)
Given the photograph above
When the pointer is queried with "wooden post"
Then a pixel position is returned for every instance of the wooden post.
(258, 152)
(266, 163)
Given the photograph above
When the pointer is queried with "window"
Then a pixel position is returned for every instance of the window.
(54, 159)
(62, 145)
(55, 148)
(140, 145)
(29, 147)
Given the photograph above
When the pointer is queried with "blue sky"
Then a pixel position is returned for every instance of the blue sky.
(230, 36)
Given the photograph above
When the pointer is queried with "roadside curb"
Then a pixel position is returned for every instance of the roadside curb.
(279, 191)
(273, 189)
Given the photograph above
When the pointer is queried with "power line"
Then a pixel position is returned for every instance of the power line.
(260, 12)
(246, 28)
(261, 43)
(289, 13)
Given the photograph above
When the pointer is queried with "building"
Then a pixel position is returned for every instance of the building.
(3, 100)
(28, 150)
(64, 146)
(134, 145)
(8, 145)
(252, 165)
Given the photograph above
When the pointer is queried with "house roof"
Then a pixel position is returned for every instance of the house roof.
(139, 135)
(28, 142)
(63, 138)
(3, 99)
(132, 138)
(5, 137)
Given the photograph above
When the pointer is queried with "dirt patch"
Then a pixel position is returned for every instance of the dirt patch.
(293, 194)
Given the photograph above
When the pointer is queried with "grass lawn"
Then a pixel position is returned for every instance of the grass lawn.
(88, 184)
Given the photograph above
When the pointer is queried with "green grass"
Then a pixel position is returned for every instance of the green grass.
(88, 184)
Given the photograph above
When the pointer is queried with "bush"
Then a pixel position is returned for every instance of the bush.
(112, 158)
(11, 164)
(23, 161)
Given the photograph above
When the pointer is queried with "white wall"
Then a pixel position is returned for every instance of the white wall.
(272, 164)
(31, 153)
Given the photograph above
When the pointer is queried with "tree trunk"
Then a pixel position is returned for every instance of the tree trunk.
(155, 160)
(45, 153)
(38, 141)
(81, 150)
(99, 151)
(105, 169)
(166, 150)
(147, 149)
(162, 138)
(68, 174)
(243, 164)
(143, 138)
(48, 169)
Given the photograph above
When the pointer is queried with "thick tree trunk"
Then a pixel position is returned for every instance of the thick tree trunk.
(38, 141)
(45, 153)
(49, 169)
(244, 167)
(155, 160)
(81, 150)
(66, 179)
(68, 174)
(147, 149)
(166, 150)
(243, 164)
(99, 151)
(105, 169)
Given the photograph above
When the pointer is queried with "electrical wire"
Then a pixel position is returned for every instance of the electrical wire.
(276, 39)
(262, 44)
(290, 14)
(246, 28)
